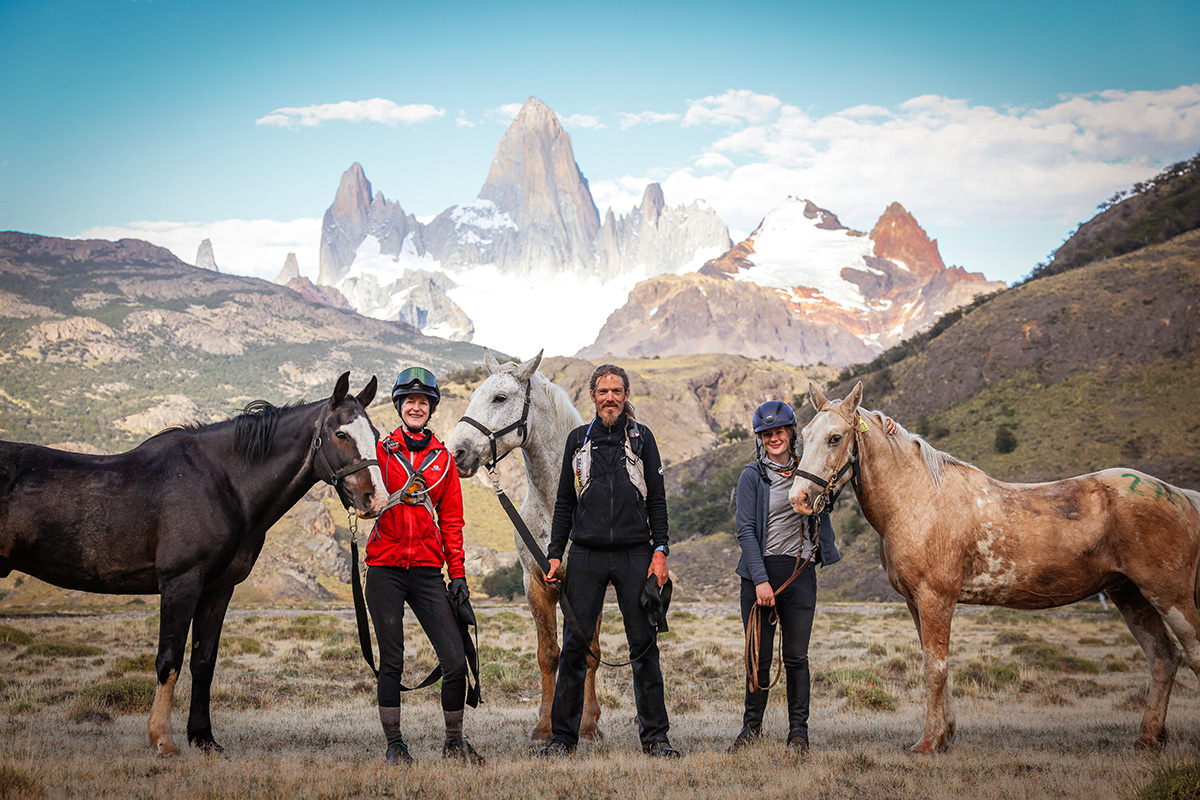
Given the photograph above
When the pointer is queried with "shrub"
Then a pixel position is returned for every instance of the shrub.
(1052, 656)
(1006, 440)
(989, 676)
(235, 645)
(129, 694)
(506, 621)
(138, 663)
(62, 650)
(506, 582)
(10, 634)
(16, 782)
(1180, 782)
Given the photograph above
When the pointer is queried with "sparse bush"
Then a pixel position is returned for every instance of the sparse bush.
(11, 634)
(506, 582)
(1006, 440)
(16, 782)
(130, 694)
(242, 645)
(1047, 655)
(1180, 782)
(138, 663)
(988, 676)
(62, 650)
(506, 621)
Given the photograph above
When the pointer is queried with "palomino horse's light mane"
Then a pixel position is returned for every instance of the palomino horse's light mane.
(935, 460)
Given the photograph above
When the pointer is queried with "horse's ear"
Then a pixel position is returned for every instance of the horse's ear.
(368, 393)
(527, 368)
(853, 401)
(490, 362)
(340, 389)
(818, 400)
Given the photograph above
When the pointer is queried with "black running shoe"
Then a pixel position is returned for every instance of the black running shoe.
(661, 749)
(397, 753)
(555, 749)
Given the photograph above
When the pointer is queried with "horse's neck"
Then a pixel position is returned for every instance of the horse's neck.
(543, 454)
(880, 480)
(287, 466)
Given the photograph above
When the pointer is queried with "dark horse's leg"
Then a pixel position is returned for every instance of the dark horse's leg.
(179, 597)
(206, 636)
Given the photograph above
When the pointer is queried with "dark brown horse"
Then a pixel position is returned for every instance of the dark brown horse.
(184, 515)
(951, 534)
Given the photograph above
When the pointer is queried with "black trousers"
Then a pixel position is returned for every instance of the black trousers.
(794, 607)
(388, 588)
(588, 574)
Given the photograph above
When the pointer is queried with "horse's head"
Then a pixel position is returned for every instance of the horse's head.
(499, 407)
(345, 443)
(828, 450)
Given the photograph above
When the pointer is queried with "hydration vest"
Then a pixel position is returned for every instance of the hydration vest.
(582, 462)
(415, 491)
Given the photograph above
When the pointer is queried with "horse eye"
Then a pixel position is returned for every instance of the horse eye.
(835, 438)
(500, 398)
(341, 435)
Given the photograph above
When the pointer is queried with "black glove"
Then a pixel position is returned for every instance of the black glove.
(459, 593)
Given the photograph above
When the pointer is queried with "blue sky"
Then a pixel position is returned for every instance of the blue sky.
(999, 126)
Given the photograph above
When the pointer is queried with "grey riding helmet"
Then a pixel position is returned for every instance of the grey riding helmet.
(416, 380)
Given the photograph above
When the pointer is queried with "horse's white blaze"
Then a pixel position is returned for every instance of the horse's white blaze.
(359, 431)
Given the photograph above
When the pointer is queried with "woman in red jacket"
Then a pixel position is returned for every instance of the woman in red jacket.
(405, 554)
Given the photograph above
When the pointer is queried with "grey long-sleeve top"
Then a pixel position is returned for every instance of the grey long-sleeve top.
(753, 503)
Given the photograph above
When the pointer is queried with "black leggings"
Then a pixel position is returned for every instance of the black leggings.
(388, 588)
(794, 607)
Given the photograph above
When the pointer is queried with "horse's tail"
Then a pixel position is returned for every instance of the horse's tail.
(1194, 498)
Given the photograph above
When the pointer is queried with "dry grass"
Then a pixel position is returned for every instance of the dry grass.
(294, 707)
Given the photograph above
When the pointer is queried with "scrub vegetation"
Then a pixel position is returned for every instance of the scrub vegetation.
(1048, 704)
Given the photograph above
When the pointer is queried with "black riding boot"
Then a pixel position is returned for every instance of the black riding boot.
(756, 706)
(797, 693)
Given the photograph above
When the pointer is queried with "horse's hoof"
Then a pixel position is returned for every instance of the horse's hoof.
(594, 735)
(923, 748)
(1151, 742)
(207, 746)
(165, 749)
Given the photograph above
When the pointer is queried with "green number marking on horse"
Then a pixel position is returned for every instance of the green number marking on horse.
(1161, 490)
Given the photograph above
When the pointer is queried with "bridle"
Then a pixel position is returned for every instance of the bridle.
(521, 426)
(325, 470)
(829, 495)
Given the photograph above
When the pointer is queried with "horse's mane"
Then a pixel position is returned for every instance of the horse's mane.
(564, 409)
(253, 428)
(936, 461)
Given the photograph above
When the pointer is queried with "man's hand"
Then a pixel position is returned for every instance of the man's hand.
(764, 594)
(658, 568)
(889, 425)
(550, 576)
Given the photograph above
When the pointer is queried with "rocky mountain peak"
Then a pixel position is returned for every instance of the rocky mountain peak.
(898, 237)
(826, 220)
(204, 256)
(535, 181)
(291, 269)
(652, 202)
(353, 196)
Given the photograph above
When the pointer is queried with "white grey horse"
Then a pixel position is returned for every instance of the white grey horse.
(497, 404)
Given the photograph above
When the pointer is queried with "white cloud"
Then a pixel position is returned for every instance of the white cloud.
(732, 108)
(586, 121)
(628, 120)
(384, 112)
(504, 114)
(948, 161)
(463, 121)
(241, 247)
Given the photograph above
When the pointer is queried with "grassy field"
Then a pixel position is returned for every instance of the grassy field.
(1048, 705)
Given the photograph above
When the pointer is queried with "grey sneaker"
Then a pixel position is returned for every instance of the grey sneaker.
(397, 753)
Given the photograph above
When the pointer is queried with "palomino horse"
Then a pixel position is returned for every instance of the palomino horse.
(184, 515)
(529, 412)
(951, 534)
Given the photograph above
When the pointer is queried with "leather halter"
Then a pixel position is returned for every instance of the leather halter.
(830, 495)
(325, 470)
(520, 426)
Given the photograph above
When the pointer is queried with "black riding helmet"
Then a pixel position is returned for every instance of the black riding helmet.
(416, 380)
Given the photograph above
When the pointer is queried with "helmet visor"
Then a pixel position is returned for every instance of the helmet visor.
(415, 379)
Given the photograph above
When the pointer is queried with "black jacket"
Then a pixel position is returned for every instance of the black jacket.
(611, 514)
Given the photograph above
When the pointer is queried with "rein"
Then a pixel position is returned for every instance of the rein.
(521, 426)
